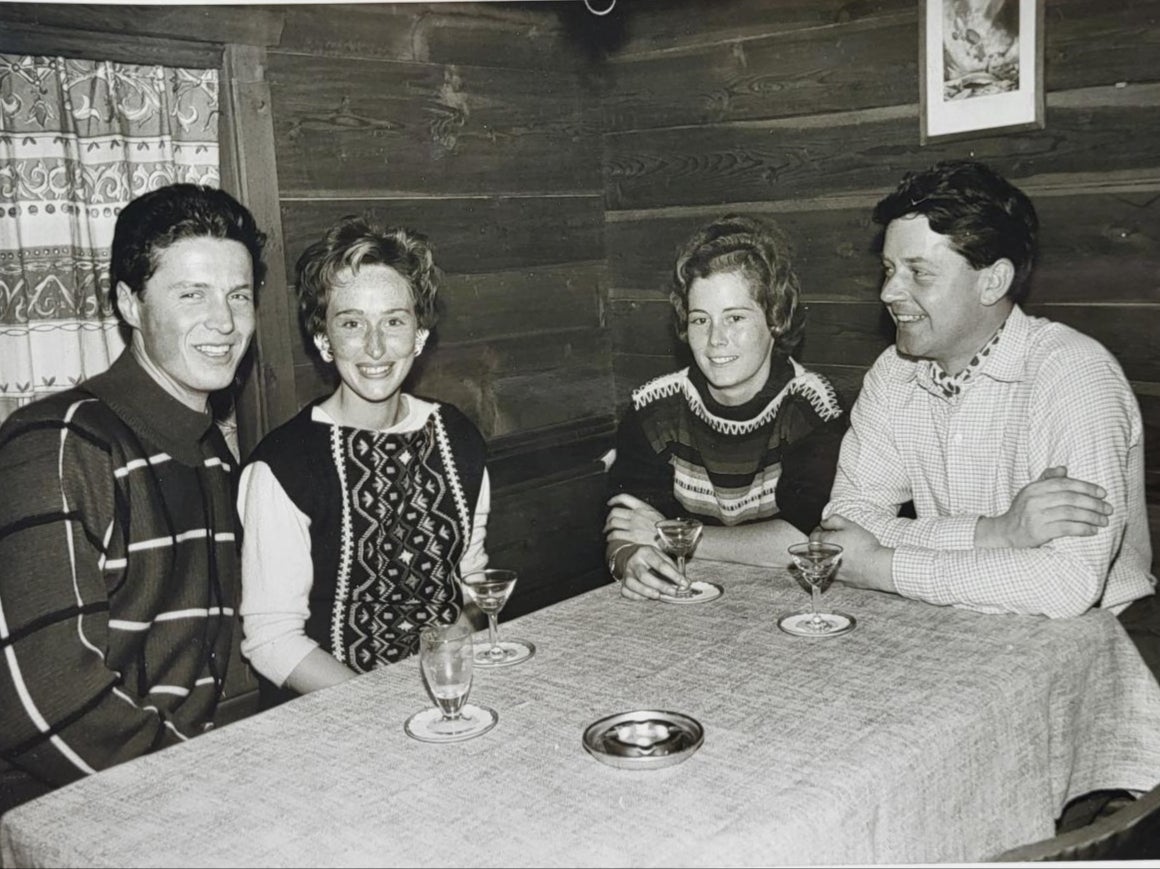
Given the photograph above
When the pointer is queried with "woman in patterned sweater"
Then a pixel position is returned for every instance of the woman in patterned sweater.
(360, 512)
(746, 439)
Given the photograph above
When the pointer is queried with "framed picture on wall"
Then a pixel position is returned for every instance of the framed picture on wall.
(982, 67)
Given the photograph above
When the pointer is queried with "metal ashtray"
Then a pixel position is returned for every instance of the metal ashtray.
(645, 739)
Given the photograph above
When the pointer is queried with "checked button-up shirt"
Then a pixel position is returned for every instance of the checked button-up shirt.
(1046, 395)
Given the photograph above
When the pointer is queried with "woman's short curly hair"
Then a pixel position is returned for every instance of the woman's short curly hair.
(354, 242)
(757, 249)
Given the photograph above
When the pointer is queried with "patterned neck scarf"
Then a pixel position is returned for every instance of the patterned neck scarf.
(951, 385)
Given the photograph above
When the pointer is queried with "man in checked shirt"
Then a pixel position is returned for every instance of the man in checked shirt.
(989, 420)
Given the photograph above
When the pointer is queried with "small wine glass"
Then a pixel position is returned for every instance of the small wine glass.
(817, 561)
(445, 660)
(490, 589)
(679, 537)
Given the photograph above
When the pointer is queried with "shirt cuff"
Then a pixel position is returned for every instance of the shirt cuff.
(913, 571)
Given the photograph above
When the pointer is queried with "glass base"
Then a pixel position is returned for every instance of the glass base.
(514, 652)
(429, 725)
(699, 592)
(803, 625)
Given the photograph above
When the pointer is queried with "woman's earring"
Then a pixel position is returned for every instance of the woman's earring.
(421, 340)
(323, 348)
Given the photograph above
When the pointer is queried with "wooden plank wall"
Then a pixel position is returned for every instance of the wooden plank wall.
(806, 110)
(470, 123)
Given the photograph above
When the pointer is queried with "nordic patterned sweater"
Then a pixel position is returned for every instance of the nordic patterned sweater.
(118, 575)
(772, 457)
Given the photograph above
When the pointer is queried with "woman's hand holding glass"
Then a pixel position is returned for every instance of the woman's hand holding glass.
(646, 573)
(649, 574)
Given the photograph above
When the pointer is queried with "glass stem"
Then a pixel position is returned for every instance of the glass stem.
(681, 564)
(815, 593)
(493, 635)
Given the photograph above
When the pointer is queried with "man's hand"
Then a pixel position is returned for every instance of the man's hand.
(1053, 506)
(865, 563)
(632, 519)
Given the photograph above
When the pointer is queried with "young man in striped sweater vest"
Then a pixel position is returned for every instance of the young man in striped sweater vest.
(118, 555)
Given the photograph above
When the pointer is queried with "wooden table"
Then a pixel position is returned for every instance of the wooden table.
(928, 734)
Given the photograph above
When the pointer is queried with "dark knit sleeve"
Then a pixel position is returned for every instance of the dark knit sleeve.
(639, 470)
(63, 712)
(808, 465)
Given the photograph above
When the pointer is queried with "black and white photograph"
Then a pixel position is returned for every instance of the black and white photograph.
(579, 433)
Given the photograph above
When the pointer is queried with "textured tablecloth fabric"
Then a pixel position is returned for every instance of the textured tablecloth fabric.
(928, 734)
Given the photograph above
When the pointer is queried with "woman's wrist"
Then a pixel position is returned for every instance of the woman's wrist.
(618, 556)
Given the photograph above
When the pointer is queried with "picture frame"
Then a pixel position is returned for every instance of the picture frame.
(981, 67)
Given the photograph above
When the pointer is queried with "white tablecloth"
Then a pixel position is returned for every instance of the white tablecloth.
(926, 735)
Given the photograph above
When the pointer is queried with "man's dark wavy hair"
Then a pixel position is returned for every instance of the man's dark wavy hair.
(156, 220)
(985, 217)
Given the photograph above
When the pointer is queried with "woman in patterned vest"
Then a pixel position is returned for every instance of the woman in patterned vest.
(362, 511)
(745, 439)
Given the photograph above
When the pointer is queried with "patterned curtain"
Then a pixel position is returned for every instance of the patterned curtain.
(78, 140)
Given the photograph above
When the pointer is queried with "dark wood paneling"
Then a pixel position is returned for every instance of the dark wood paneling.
(528, 382)
(551, 453)
(653, 27)
(251, 25)
(1148, 395)
(142, 50)
(633, 369)
(551, 534)
(1110, 128)
(359, 125)
(522, 301)
(800, 73)
(644, 325)
(471, 236)
(1098, 42)
(777, 60)
(1098, 247)
(483, 34)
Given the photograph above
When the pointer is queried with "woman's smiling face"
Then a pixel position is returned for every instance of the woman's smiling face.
(729, 336)
(373, 332)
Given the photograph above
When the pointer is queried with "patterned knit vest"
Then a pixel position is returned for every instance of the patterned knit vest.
(390, 517)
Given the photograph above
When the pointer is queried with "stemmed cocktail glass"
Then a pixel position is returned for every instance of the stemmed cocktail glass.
(678, 538)
(816, 560)
(490, 589)
(446, 662)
